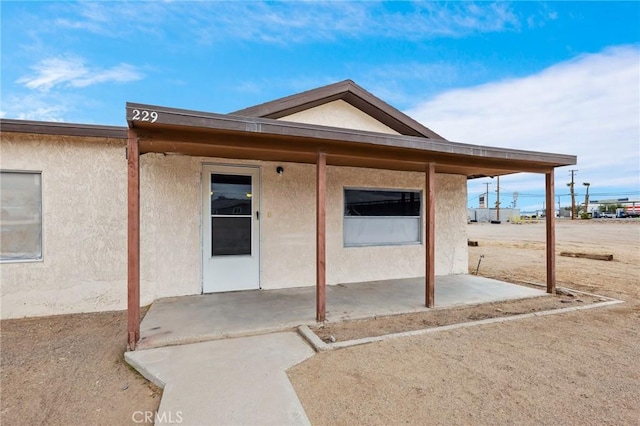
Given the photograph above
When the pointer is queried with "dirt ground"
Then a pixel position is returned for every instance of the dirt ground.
(574, 368)
(359, 329)
(70, 370)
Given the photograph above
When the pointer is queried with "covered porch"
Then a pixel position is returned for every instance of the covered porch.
(257, 134)
(191, 319)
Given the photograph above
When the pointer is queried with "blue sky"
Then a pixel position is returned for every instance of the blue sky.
(549, 76)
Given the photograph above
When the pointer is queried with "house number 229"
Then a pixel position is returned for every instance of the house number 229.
(144, 115)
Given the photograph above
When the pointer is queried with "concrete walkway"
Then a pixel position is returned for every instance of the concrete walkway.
(191, 319)
(238, 381)
(243, 381)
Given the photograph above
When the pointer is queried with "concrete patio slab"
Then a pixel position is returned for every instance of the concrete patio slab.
(238, 381)
(191, 319)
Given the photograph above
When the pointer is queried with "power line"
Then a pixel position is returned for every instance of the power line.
(613, 195)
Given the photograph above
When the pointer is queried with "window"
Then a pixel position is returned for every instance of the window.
(20, 216)
(231, 214)
(382, 217)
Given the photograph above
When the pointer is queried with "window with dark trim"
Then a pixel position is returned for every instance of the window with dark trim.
(20, 216)
(382, 217)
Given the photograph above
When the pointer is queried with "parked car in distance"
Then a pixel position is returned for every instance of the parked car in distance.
(631, 215)
(628, 212)
(608, 215)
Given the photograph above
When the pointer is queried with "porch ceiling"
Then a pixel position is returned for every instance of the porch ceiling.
(230, 136)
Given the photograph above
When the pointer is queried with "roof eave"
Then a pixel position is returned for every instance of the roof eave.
(194, 120)
(62, 129)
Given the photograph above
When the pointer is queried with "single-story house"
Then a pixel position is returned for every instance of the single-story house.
(323, 187)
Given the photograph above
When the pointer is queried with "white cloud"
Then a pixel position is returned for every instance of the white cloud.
(40, 107)
(290, 22)
(52, 71)
(47, 93)
(72, 71)
(121, 73)
(588, 106)
(424, 20)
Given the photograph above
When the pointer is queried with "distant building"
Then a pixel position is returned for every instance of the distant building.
(626, 203)
(487, 215)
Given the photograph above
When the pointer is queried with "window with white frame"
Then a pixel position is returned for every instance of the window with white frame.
(382, 217)
(20, 216)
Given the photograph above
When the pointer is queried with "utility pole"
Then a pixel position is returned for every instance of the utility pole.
(498, 202)
(586, 197)
(487, 200)
(573, 195)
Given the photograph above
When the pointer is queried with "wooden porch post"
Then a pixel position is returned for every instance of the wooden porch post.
(551, 233)
(430, 213)
(321, 234)
(133, 233)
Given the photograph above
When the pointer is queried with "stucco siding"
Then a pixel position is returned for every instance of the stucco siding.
(288, 225)
(451, 225)
(85, 226)
(339, 114)
(171, 212)
(84, 265)
(170, 200)
(171, 215)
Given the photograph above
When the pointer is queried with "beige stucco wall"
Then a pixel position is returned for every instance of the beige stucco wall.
(84, 215)
(171, 237)
(169, 226)
(84, 264)
(340, 114)
(171, 257)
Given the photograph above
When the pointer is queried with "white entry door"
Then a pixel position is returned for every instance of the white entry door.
(231, 228)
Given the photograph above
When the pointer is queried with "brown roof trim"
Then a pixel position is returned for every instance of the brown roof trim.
(64, 129)
(171, 119)
(349, 92)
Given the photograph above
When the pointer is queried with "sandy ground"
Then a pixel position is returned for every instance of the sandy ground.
(70, 370)
(358, 329)
(575, 368)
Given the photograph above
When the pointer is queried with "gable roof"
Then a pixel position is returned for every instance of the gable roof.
(349, 92)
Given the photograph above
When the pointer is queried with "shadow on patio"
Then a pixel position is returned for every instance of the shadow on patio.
(190, 319)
